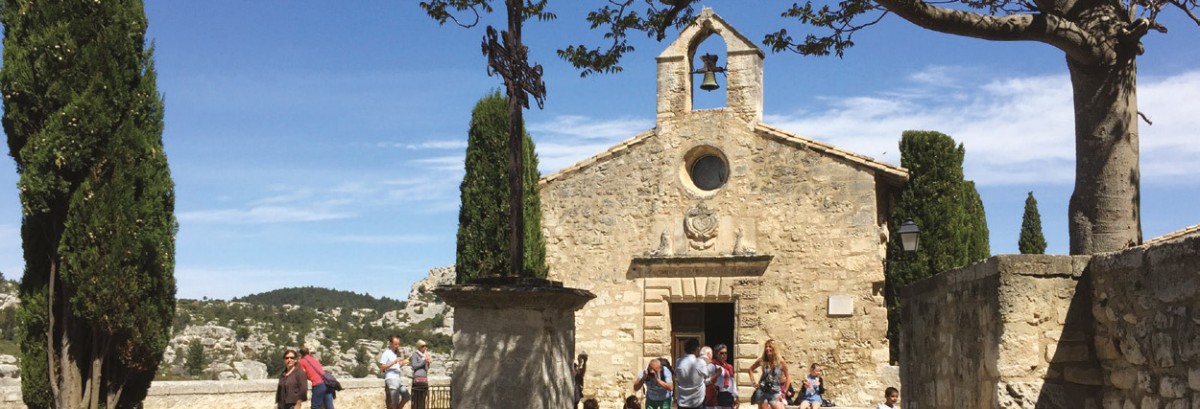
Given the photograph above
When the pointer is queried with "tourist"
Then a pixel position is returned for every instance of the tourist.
(891, 397)
(291, 389)
(767, 391)
(420, 361)
(659, 384)
(724, 380)
(591, 403)
(691, 372)
(322, 394)
(814, 387)
(389, 363)
(710, 386)
(631, 402)
(578, 370)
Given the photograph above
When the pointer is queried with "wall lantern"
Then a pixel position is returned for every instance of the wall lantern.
(710, 71)
(910, 235)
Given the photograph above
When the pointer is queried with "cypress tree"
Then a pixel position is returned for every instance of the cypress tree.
(978, 243)
(84, 123)
(483, 216)
(1031, 241)
(945, 207)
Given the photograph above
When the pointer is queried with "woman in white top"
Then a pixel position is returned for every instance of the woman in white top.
(724, 379)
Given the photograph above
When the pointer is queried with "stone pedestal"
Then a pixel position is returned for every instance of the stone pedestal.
(514, 343)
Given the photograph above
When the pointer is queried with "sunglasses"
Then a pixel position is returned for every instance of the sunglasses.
(290, 357)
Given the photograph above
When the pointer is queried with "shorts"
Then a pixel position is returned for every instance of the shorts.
(396, 392)
(658, 404)
(724, 399)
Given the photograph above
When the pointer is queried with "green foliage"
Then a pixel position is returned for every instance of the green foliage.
(322, 299)
(195, 358)
(978, 241)
(84, 123)
(286, 326)
(363, 363)
(483, 223)
(945, 207)
(243, 333)
(1031, 241)
(273, 357)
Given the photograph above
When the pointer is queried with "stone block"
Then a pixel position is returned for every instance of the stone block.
(1067, 352)
(1171, 387)
(689, 287)
(676, 286)
(656, 322)
(657, 336)
(1164, 353)
(725, 289)
(656, 294)
(1083, 375)
(1125, 379)
(657, 309)
(1106, 350)
(1194, 378)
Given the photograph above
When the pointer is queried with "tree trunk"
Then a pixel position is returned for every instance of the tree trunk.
(1104, 213)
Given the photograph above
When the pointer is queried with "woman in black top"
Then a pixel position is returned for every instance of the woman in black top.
(293, 386)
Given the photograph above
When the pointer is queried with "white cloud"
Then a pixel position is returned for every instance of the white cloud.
(1015, 130)
(384, 239)
(567, 139)
(197, 282)
(443, 163)
(581, 127)
(427, 145)
(262, 214)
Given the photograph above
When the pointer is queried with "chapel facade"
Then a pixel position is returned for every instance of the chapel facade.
(717, 226)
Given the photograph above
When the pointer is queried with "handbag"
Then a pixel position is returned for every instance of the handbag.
(758, 396)
(331, 382)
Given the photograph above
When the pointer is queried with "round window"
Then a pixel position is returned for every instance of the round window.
(709, 172)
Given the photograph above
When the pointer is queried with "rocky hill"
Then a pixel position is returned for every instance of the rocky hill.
(245, 338)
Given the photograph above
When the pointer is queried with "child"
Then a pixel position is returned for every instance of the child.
(814, 387)
(891, 399)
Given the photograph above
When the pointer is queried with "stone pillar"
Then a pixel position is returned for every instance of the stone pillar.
(514, 343)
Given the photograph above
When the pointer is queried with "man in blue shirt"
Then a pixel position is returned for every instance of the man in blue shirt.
(658, 383)
(691, 371)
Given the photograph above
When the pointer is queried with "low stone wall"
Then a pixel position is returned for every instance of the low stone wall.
(260, 394)
(1013, 331)
(1147, 336)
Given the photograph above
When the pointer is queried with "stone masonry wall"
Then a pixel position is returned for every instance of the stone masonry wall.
(815, 215)
(1013, 331)
(1146, 312)
(260, 394)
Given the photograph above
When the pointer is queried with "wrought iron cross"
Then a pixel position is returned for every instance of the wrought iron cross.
(509, 58)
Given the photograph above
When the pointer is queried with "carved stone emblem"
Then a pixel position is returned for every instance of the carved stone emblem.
(700, 224)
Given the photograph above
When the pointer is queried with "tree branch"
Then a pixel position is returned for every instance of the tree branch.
(1186, 9)
(1050, 29)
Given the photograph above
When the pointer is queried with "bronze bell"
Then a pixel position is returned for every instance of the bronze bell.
(710, 71)
(710, 81)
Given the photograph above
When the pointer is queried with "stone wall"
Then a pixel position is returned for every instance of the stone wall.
(1147, 335)
(1013, 331)
(358, 394)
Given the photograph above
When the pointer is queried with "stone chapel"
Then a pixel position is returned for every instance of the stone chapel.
(717, 226)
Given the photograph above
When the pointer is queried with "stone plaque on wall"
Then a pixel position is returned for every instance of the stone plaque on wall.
(841, 306)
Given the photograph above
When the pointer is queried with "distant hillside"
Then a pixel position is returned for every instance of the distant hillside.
(244, 338)
(322, 299)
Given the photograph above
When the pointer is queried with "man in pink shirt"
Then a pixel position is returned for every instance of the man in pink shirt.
(322, 397)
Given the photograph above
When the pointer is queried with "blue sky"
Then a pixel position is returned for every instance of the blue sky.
(321, 143)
